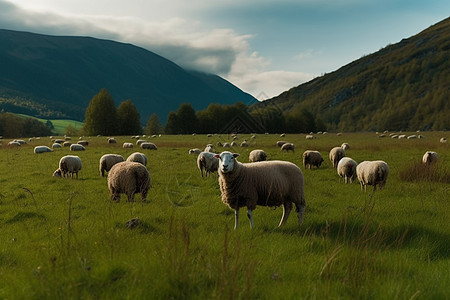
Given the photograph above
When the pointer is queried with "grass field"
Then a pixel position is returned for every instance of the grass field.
(59, 125)
(64, 238)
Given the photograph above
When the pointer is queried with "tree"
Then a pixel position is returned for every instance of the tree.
(128, 119)
(101, 115)
(172, 125)
(154, 125)
(187, 119)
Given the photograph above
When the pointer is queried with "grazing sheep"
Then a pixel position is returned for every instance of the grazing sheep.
(42, 149)
(233, 144)
(209, 148)
(83, 143)
(127, 145)
(226, 145)
(282, 135)
(312, 158)
(128, 178)
(107, 161)
(14, 144)
(281, 143)
(266, 183)
(411, 137)
(335, 155)
(112, 141)
(138, 157)
(207, 161)
(139, 142)
(345, 146)
(309, 137)
(443, 140)
(244, 143)
(288, 146)
(430, 157)
(195, 151)
(346, 168)
(68, 165)
(372, 173)
(149, 146)
(67, 144)
(56, 145)
(22, 142)
(77, 147)
(257, 155)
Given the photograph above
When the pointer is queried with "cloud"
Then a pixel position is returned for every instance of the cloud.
(187, 43)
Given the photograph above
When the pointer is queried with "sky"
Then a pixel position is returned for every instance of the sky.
(264, 47)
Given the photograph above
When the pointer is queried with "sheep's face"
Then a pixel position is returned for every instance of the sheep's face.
(57, 173)
(226, 161)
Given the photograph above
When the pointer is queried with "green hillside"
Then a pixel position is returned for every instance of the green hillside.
(404, 86)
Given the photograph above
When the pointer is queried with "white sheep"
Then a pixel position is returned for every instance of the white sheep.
(139, 142)
(128, 178)
(372, 173)
(56, 145)
(112, 141)
(234, 144)
(244, 143)
(226, 145)
(138, 157)
(107, 161)
(195, 151)
(346, 169)
(288, 147)
(266, 183)
(430, 157)
(42, 149)
(209, 148)
(149, 146)
(83, 143)
(345, 146)
(14, 144)
(67, 144)
(127, 145)
(208, 162)
(77, 147)
(443, 140)
(312, 158)
(68, 165)
(281, 143)
(257, 155)
(335, 155)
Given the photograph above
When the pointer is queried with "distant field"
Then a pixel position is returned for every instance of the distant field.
(65, 239)
(59, 125)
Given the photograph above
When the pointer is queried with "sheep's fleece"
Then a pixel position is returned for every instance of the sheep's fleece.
(128, 178)
(372, 173)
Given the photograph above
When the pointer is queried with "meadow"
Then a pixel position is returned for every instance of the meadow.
(65, 239)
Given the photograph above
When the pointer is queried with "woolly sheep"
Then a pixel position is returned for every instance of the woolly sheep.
(139, 142)
(14, 144)
(56, 145)
(149, 146)
(345, 146)
(68, 165)
(335, 155)
(112, 141)
(67, 144)
(346, 169)
(128, 178)
(372, 173)
(226, 145)
(287, 147)
(83, 143)
(195, 151)
(443, 140)
(312, 158)
(22, 142)
(430, 157)
(209, 148)
(233, 144)
(208, 162)
(42, 149)
(309, 137)
(77, 147)
(281, 143)
(138, 157)
(244, 143)
(266, 183)
(107, 161)
(127, 145)
(257, 155)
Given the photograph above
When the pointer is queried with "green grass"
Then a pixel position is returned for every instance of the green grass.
(60, 125)
(65, 239)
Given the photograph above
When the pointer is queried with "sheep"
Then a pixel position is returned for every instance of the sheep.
(281, 143)
(195, 151)
(226, 145)
(257, 155)
(345, 146)
(128, 178)
(107, 161)
(83, 143)
(150, 146)
(207, 161)
(68, 165)
(244, 143)
(233, 144)
(209, 148)
(309, 137)
(112, 141)
(372, 173)
(430, 157)
(42, 149)
(312, 158)
(67, 144)
(443, 140)
(139, 142)
(77, 147)
(287, 147)
(266, 183)
(56, 145)
(14, 144)
(138, 157)
(127, 145)
(22, 142)
(346, 168)
(335, 155)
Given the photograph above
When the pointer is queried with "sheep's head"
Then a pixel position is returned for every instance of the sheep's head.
(57, 173)
(226, 161)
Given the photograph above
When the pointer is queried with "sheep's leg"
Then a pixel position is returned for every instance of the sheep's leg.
(287, 207)
(250, 217)
(236, 218)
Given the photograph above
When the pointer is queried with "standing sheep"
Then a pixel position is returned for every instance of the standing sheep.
(372, 173)
(107, 161)
(127, 145)
(430, 157)
(346, 168)
(257, 155)
(138, 157)
(68, 165)
(149, 146)
(345, 146)
(111, 140)
(207, 161)
(281, 143)
(77, 147)
(128, 178)
(266, 183)
(288, 146)
(209, 148)
(335, 155)
(42, 149)
(195, 151)
(312, 158)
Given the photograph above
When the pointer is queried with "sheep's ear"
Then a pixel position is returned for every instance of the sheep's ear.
(217, 156)
(235, 155)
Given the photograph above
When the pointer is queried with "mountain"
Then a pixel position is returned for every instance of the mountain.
(404, 86)
(56, 77)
